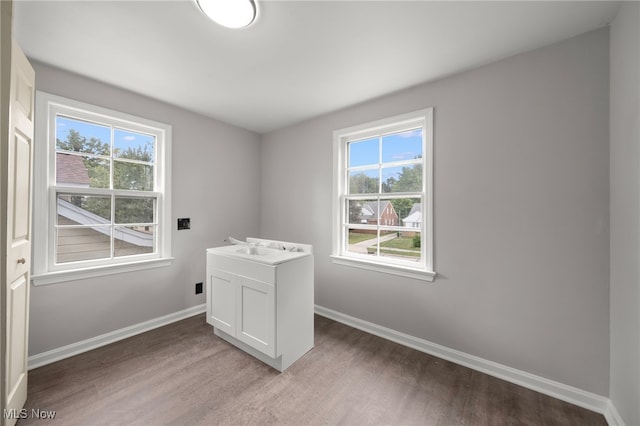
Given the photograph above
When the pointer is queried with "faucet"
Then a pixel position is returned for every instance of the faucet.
(238, 242)
(268, 244)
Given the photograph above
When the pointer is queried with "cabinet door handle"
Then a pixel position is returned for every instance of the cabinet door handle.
(22, 260)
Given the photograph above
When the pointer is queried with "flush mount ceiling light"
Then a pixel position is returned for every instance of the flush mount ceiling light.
(229, 13)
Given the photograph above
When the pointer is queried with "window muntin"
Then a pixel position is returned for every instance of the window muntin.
(103, 184)
(384, 193)
(101, 155)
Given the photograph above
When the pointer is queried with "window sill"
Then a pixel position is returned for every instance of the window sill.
(418, 274)
(97, 271)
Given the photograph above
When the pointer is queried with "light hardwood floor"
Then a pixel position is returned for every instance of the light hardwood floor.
(182, 374)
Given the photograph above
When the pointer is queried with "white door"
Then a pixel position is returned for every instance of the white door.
(256, 315)
(18, 231)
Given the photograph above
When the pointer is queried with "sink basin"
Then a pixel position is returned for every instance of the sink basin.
(270, 256)
(256, 251)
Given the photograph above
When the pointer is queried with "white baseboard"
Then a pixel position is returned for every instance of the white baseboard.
(579, 397)
(612, 415)
(67, 351)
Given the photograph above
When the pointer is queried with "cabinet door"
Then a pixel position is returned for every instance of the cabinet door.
(256, 315)
(222, 299)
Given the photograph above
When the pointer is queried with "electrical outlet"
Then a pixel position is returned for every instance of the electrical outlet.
(198, 288)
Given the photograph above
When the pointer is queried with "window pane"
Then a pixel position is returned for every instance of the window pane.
(130, 240)
(402, 146)
(392, 244)
(362, 212)
(362, 153)
(402, 179)
(401, 245)
(84, 243)
(362, 241)
(364, 182)
(409, 212)
(81, 171)
(134, 176)
(134, 210)
(386, 213)
(74, 209)
(133, 145)
(82, 136)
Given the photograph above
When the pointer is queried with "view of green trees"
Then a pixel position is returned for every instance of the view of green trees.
(132, 170)
(385, 168)
(409, 180)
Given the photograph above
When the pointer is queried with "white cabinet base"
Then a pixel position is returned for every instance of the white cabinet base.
(263, 308)
(281, 363)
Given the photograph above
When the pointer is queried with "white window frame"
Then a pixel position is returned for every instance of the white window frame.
(423, 270)
(45, 269)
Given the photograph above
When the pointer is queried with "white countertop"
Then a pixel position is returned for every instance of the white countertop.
(270, 256)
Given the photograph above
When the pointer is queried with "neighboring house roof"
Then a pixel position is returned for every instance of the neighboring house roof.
(367, 212)
(415, 215)
(70, 169)
(417, 207)
(83, 217)
(370, 210)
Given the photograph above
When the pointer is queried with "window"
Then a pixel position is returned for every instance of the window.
(383, 195)
(102, 191)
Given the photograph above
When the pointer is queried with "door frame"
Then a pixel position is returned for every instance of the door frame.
(6, 11)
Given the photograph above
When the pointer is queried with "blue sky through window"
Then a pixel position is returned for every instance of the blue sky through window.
(364, 153)
(84, 128)
(123, 139)
(401, 146)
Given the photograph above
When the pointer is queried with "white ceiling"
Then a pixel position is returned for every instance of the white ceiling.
(300, 59)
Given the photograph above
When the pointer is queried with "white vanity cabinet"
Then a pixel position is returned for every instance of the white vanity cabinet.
(262, 303)
(244, 308)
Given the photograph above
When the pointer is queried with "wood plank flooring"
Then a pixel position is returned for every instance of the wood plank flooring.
(182, 374)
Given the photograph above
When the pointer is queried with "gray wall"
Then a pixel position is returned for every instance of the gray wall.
(215, 168)
(625, 212)
(521, 213)
(521, 216)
